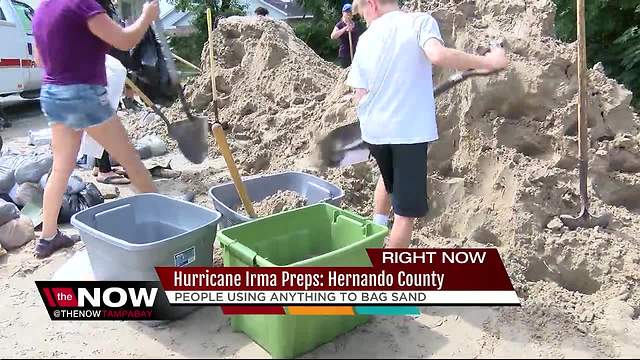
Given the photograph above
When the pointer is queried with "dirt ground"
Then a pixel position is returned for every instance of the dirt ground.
(437, 332)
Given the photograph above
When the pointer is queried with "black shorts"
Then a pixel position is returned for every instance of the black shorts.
(404, 171)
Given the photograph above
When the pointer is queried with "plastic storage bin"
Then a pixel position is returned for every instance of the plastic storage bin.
(127, 238)
(225, 197)
(316, 235)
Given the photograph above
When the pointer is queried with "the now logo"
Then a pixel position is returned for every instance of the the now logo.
(104, 300)
(114, 297)
(99, 297)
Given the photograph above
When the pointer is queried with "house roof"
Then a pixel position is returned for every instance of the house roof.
(290, 8)
(172, 17)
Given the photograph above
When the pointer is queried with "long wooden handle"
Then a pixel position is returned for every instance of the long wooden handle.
(350, 45)
(147, 101)
(212, 59)
(142, 95)
(187, 63)
(582, 81)
(583, 142)
(221, 140)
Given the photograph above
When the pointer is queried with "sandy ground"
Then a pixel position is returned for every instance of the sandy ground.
(438, 332)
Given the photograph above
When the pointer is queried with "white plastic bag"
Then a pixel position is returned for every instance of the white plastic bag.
(40, 137)
(116, 76)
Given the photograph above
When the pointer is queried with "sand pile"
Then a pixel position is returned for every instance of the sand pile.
(278, 202)
(270, 87)
(502, 170)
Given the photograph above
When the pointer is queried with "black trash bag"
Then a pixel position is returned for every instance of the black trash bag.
(148, 70)
(74, 203)
(70, 206)
(91, 196)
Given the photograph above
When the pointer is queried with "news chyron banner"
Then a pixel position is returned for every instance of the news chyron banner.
(398, 281)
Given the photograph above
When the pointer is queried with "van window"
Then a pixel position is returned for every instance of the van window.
(25, 14)
(2, 17)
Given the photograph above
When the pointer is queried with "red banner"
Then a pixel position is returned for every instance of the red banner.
(393, 269)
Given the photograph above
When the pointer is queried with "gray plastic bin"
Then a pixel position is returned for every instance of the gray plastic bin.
(128, 237)
(225, 197)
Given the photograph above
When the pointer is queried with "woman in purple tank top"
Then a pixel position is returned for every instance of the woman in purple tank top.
(72, 39)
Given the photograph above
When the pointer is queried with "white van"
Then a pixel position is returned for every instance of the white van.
(18, 72)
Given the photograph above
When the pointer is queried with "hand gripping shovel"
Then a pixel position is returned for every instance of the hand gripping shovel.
(190, 134)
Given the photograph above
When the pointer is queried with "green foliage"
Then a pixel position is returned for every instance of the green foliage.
(316, 34)
(613, 36)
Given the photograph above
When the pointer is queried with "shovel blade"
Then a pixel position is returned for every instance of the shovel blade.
(191, 136)
(343, 146)
(585, 220)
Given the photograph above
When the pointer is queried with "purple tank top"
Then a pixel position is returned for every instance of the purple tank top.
(69, 52)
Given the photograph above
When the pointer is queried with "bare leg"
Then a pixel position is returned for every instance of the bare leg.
(65, 143)
(401, 232)
(381, 199)
(113, 137)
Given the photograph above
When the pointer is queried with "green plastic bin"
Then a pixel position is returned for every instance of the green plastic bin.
(316, 235)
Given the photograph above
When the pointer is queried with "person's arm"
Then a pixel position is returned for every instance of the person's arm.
(358, 94)
(440, 55)
(336, 33)
(124, 38)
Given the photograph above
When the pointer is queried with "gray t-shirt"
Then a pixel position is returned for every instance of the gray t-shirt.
(391, 65)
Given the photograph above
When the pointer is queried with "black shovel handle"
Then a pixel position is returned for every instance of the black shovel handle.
(158, 29)
(457, 78)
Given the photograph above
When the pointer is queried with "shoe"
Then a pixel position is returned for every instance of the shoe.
(45, 248)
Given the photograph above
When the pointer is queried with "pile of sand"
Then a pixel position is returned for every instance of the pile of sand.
(278, 202)
(502, 171)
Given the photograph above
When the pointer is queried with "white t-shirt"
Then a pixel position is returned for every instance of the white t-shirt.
(391, 64)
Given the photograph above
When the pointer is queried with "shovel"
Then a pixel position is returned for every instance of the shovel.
(585, 219)
(344, 146)
(190, 134)
(219, 134)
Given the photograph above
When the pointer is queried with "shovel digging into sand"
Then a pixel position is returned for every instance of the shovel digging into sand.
(344, 146)
(584, 219)
(190, 134)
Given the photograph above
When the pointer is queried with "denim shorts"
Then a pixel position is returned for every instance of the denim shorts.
(76, 106)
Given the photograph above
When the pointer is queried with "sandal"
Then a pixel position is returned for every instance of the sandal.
(115, 180)
(121, 172)
(45, 248)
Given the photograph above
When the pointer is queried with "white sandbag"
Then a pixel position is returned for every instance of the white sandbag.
(28, 193)
(116, 76)
(16, 233)
(13, 194)
(32, 168)
(8, 211)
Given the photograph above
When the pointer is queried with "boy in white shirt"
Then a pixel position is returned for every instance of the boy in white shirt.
(392, 77)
